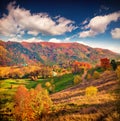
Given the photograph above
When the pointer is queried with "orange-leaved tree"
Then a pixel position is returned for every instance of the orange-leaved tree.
(30, 104)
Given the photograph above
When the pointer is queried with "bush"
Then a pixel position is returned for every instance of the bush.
(47, 84)
(77, 79)
(96, 75)
(50, 86)
(91, 91)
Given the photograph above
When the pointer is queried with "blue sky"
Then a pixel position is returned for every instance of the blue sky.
(94, 23)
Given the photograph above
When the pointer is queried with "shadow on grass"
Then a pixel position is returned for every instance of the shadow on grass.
(86, 112)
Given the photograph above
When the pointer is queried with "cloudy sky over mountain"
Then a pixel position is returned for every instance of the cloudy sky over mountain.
(95, 23)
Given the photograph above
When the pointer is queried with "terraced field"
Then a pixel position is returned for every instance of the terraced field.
(73, 105)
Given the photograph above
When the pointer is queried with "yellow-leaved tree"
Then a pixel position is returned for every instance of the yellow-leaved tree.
(77, 79)
(91, 91)
(96, 75)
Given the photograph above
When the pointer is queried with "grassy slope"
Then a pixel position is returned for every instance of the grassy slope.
(7, 91)
(62, 82)
(70, 104)
(73, 105)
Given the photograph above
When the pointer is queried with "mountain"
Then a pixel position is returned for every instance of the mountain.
(15, 53)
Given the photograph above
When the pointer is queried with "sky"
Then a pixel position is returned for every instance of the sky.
(95, 23)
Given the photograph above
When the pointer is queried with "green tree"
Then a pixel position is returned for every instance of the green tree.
(113, 64)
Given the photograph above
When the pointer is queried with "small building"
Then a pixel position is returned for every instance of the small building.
(54, 73)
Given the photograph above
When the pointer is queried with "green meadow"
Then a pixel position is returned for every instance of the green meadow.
(8, 88)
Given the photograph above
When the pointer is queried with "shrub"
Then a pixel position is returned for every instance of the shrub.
(47, 84)
(91, 91)
(96, 75)
(50, 86)
(77, 79)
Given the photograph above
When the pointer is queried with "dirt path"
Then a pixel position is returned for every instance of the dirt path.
(84, 75)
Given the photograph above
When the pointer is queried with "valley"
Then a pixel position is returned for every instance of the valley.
(59, 60)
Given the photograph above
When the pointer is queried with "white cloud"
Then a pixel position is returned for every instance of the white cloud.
(54, 40)
(99, 24)
(85, 22)
(81, 42)
(115, 33)
(103, 46)
(14, 39)
(114, 49)
(20, 20)
(87, 33)
(33, 39)
(67, 39)
(35, 33)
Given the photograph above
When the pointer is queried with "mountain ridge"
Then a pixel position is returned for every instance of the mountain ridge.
(16, 53)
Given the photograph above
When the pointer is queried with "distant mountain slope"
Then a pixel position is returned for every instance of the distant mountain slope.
(14, 53)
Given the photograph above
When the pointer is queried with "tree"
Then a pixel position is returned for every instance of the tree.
(77, 79)
(30, 104)
(47, 84)
(88, 76)
(105, 63)
(96, 75)
(118, 72)
(50, 86)
(21, 108)
(113, 64)
(34, 76)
